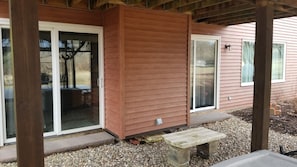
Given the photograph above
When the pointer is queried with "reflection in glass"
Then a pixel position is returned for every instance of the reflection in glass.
(191, 74)
(78, 76)
(205, 72)
(8, 84)
(46, 73)
(203, 65)
(46, 79)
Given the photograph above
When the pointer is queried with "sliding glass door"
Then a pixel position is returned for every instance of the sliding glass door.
(8, 91)
(78, 79)
(71, 66)
(203, 82)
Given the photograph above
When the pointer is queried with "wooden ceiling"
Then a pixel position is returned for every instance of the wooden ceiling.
(221, 12)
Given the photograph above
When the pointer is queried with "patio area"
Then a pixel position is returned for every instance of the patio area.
(236, 143)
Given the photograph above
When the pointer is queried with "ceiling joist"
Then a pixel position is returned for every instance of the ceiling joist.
(101, 3)
(223, 12)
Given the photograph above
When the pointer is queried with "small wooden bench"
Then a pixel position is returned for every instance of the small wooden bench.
(204, 139)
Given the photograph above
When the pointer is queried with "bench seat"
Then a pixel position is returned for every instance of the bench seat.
(204, 139)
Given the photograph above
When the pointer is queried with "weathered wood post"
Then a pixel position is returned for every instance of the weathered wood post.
(262, 77)
(27, 92)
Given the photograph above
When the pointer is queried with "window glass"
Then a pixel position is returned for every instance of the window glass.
(248, 52)
(277, 62)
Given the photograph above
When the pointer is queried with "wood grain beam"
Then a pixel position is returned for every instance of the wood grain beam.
(156, 3)
(262, 75)
(281, 8)
(179, 3)
(249, 19)
(202, 4)
(73, 2)
(198, 15)
(27, 92)
(232, 17)
(291, 3)
(101, 3)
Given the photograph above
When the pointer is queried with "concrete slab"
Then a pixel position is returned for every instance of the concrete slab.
(262, 158)
(8, 153)
(199, 118)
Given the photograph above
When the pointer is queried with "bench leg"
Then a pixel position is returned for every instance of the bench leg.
(205, 150)
(178, 157)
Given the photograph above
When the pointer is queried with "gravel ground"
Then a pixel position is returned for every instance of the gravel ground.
(123, 154)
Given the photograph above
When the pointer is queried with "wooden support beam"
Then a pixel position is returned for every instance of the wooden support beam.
(101, 3)
(44, 1)
(70, 3)
(27, 92)
(198, 15)
(179, 4)
(291, 3)
(202, 4)
(232, 17)
(157, 3)
(262, 75)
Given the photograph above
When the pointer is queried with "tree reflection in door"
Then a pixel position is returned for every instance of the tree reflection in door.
(78, 54)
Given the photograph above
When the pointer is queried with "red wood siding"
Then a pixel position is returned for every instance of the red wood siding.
(63, 15)
(4, 13)
(230, 66)
(155, 69)
(112, 72)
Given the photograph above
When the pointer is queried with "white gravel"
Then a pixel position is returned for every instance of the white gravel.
(123, 154)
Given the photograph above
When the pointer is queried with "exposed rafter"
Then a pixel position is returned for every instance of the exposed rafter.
(74, 2)
(157, 3)
(179, 4)
(44, 1)
(202, 4)
(101, 3)
(216, 13)
(291, 3)
(224, 12)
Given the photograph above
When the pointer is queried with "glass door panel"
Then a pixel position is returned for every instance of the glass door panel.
(46, 73)
(46, 79)
(203, 73)
(192, 68)
(8, 84)
(78, 58)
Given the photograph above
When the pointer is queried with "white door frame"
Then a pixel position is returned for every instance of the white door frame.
(197, 37)
(54, 28)
(3, 24)
(57, 27)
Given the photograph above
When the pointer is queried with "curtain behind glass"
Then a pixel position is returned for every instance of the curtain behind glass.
(248, 62)
(277, 62)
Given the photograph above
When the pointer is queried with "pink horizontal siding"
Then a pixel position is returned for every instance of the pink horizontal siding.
(230, 66)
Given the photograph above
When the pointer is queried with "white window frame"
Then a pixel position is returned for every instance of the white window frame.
(217, 71)
(272, 81)
(4, 23)
(55, 28)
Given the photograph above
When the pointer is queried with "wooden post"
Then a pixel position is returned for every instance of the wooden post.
(27, 81)
(262, 77)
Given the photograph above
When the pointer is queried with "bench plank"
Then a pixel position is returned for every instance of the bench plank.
(192, 137)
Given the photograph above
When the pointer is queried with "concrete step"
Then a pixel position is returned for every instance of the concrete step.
(63, 144)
